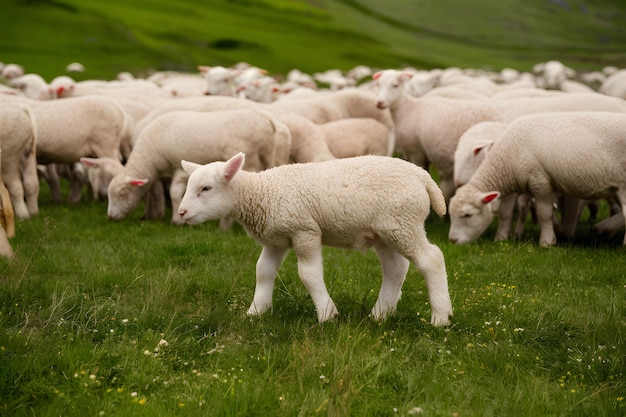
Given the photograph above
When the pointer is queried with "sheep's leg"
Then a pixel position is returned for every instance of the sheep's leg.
(308, 248)
(177, 189)
(572, 208)
(395, 267)
(30, 179)
(523, 207)
(53, 182)
(429, 260)
(155, 202)
(13, 181)
(505, 217)
(545, 210)
(431, 263)
(266, 268)
(610, 226)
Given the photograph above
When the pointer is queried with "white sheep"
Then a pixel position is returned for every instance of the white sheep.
(220, 81)
(428, 128)
(32, 86)
(357, 136)
(307, 141)
(197, 136)
(19, 160)
(470, 152)
(579, 154)
(10, 71)
(356, 203)
(615, 84)
(75, 127)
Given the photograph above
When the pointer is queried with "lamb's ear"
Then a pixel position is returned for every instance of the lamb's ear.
(138, 182)
(233, 165)
(90, 162)
(486, 146)
(189, 167)
(489, 197)
(404, 76)
(377, 75)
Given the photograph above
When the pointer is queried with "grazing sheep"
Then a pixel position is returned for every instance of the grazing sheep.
(428, 128)
(579, 154)
(220, 81)
(74, 127)
(197, 136)
(18, 135)
(357, 203)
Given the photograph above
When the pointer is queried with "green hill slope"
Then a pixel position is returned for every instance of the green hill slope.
(314, 35)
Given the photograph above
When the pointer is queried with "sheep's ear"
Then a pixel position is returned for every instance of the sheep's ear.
(377, 75)
(489, 197)
(233, 165)
(138, 182)
(189, 167)
(405, 76)
(90, 162)
(479, 148)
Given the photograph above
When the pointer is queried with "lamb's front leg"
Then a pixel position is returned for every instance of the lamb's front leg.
(544, 208)
(394, 267)
(308, 248)
(266, 268)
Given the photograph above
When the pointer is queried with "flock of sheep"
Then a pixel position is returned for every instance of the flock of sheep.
(499, 141)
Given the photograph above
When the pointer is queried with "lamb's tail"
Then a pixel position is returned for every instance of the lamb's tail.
(280, 148)
(437, 200)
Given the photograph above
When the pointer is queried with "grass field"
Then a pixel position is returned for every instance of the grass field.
(140, 318)
(314, 35)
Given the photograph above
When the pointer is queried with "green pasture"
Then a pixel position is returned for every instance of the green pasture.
(146, 35)
(136, 318)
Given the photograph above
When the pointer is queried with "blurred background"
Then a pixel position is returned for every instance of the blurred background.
(143, 36)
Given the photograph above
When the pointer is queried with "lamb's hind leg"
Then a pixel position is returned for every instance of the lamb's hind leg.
(430, 261)
(266, 268)
(394, 267)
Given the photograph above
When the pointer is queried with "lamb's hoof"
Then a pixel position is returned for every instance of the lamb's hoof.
(440, 320)
(255, 311)
(329, 313)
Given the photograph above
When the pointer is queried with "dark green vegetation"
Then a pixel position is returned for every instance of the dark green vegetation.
(102, 318)
(315, 35)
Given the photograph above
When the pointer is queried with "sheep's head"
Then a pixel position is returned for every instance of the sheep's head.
(209, 195)
(390, 86)
(471, 213)
(124, 194)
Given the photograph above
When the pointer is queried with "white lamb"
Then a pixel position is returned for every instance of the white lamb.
(198, 136)
(356, 203)
(470, 152)
(615, 84)
(579, 154)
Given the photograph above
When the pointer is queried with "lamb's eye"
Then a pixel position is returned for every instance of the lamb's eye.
(206, 188)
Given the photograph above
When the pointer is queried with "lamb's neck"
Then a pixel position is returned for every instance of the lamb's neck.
(251, 195)
(495, 178)
(403, 107)
(141, 168)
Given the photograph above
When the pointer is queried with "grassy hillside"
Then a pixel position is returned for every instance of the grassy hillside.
(314, 35)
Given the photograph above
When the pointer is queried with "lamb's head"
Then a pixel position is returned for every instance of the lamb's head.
(390, 86)
(471, 213)
(209, 194)
(124, 194)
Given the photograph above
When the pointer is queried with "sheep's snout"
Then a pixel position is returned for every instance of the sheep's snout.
(206, 93)
(381, 104)
(182, 212)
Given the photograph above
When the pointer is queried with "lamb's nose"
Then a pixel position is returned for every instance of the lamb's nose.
(182, 213)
